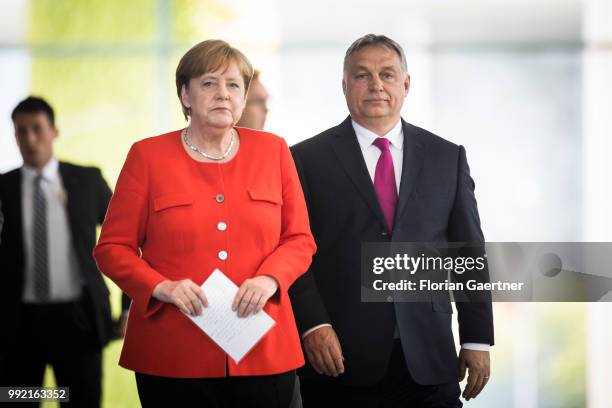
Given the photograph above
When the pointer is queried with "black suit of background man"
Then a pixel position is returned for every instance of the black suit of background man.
(68, 335)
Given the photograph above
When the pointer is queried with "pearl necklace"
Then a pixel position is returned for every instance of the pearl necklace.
(202, 152)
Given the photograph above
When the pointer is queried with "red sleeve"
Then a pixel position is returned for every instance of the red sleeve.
(294, 253)
(123, 233)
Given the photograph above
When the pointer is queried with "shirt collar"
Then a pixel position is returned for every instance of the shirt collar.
(366, 137)
(50, 171)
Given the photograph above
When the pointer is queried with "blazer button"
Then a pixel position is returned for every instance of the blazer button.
(384, 233)
(222, 255)
(220, 198)
(221, 226)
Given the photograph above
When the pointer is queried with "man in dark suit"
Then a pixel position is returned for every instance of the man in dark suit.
(54, 299)
(377, 178)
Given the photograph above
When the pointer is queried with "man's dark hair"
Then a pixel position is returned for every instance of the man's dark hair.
(34, 104)
(373, 40)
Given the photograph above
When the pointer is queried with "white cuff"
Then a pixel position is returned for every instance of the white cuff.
(476, 346)
(307, 332)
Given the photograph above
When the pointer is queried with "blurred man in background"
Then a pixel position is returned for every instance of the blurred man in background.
(254, 116)
(55, 302)
(256, 109)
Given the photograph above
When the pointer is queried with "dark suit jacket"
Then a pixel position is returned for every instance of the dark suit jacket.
(88, 196)
(436, 204)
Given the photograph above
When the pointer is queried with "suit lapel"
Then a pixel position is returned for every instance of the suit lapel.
(14, 208)
(346, 147)
(70, 182)
(414, 155)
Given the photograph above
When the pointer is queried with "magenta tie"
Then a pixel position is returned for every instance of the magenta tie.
(384, 181)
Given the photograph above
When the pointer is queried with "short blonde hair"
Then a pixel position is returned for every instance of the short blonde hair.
(209, 56)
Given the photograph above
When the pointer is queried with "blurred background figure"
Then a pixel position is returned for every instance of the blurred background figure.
(54, 298)
(256, 109)
(254, 116)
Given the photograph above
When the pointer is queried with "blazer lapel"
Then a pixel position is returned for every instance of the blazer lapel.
(14, 208)
(70, 182)
(414, 155)
(346, 147)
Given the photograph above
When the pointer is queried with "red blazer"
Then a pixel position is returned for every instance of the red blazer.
(163, 222)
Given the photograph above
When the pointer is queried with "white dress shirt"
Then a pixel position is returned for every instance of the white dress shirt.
(64, 279)
(371, 154)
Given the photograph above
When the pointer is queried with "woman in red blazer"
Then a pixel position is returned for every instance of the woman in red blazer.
(210, 196)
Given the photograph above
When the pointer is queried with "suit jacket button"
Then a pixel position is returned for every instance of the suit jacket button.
(384, 233)
(220, 198)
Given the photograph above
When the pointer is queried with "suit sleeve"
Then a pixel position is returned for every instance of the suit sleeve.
(124, 232)
(296, 245)
(308, 305)
(125, 303)
(475, 318)
(104, 196)
(1, 222)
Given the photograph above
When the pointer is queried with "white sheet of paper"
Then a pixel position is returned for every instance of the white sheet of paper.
(235, 335)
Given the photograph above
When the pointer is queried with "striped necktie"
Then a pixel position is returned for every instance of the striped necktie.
(41, 255)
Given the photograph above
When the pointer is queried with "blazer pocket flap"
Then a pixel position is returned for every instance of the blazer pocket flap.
(269, 195)
(172, 200)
